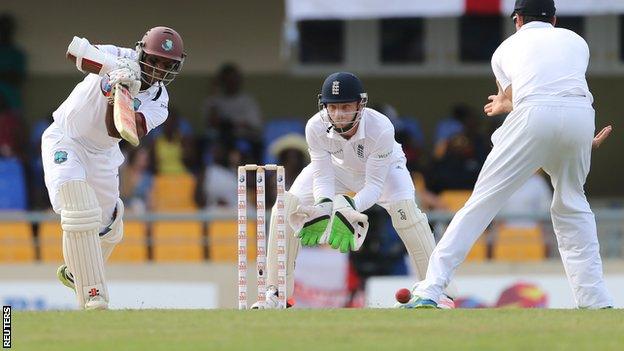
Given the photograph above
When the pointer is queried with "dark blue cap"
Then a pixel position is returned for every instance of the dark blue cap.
(538, 8)
(341, 87)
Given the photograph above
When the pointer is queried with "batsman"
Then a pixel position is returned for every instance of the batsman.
(81, 154)
(352, 150)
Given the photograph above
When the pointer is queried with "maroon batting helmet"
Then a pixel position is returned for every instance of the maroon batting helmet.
(162, 42)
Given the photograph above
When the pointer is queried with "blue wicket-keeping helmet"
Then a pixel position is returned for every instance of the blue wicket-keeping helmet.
(342, 87)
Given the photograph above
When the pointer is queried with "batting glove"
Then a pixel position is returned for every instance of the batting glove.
(127, 73)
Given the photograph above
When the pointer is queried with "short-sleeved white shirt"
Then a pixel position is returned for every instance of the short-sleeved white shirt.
(541, 60)
(371, 151)
(82, 115)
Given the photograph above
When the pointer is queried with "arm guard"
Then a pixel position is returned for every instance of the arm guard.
(88, 58)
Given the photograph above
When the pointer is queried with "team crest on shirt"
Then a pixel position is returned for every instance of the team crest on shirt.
(137, 104)
(60, 157)
(167, 45)
(360, 151)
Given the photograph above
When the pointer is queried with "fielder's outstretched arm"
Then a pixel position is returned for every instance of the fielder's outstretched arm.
(500, 103)
(601, 136)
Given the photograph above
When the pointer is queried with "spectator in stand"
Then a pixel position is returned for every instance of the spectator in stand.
(459, 154)
(174, 151)
(13, 194)
(457, 168)
(217, 183)
(453, 124)
(412, 147)
(136, 181)
(12, 132)
(12, 63)
(231, 114)
(291, 151)
(463, 122)
(38, 193)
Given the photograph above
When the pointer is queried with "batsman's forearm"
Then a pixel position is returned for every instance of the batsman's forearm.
(110, 122)
(141, 126)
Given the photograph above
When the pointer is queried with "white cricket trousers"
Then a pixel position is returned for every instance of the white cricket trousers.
(555, 136)
(99, 170)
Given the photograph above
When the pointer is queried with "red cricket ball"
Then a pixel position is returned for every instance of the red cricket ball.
(403, 295)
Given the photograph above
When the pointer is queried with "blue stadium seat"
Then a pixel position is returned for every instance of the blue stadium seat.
(12, 185)
(413, 128)
(277, 128)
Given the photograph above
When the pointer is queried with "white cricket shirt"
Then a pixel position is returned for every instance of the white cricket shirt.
(82, 115)
(369, 152)
(540, 60)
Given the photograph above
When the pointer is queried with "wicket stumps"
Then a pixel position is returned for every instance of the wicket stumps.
(261, 252)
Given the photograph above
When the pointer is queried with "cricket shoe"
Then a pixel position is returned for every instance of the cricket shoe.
(65, 276)
(96, 302)
(272, 300)
(446, 303)
(420, 303)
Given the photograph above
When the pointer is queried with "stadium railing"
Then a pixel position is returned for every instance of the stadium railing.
(211, 235)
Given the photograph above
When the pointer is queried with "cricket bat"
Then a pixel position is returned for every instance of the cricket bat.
(123, 115)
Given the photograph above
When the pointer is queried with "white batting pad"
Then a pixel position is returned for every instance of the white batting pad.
(413, 228)
(112, 234)
(81, 222)
(292, 246)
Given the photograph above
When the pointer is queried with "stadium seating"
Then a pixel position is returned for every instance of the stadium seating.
(177, 241)
(12, 185)
(419, 182)
(16, 242)
(223, 240)
(519, 244)
(50, 241)
(174, 193)
(133, 248)
(455, 200)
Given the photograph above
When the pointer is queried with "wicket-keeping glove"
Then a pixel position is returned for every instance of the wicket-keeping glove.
(311, 223)
(349, 227)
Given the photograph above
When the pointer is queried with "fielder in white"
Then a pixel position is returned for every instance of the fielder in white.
(352, 149)
(540, 71)
(81, 155)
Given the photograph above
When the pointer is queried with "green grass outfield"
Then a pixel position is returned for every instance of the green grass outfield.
(320, 330)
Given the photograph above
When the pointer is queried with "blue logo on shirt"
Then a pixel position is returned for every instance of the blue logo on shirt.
(60, 157)
(137, 104)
